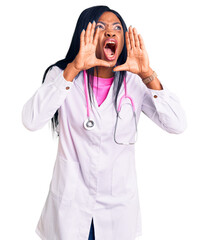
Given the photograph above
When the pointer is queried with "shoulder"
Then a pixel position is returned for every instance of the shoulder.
(134, 81)
(54, 71)
(52, 74)
(133, 77)
(130, 75)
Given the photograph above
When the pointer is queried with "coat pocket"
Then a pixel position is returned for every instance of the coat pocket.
(64, 178)
(124, 181)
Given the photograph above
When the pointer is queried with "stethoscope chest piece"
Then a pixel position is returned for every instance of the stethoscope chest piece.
(89, 124)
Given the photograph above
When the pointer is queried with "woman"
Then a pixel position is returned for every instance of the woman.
(93, 193)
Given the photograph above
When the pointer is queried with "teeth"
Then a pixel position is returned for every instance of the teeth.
(111, 42)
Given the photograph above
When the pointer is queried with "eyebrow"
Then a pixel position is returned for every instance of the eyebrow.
(106, 24)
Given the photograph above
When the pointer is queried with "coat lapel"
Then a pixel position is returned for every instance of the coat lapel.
(108, 100)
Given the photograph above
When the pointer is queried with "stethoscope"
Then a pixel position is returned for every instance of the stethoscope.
(89, 124)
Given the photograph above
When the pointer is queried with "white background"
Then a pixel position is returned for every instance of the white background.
(173, 170)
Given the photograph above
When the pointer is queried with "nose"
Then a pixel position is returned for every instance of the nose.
(109, 34)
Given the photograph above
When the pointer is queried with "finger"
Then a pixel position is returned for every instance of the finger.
(142, 46)
(92, 32)
(87, 33)
(131, 37)
(123, 67)
(102, 63)
(82, 43)
(136, 39)
(96, 36)
(128, 45)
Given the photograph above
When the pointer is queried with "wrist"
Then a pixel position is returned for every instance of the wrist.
(75, 65)
(70, 72)
(146, 74)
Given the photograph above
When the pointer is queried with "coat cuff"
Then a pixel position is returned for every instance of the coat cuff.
(62, 84)
(160, 95)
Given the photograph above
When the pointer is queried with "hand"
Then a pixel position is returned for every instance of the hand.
(137, 58)
(86, 57)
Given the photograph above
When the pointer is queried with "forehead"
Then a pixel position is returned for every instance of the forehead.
(109, 17)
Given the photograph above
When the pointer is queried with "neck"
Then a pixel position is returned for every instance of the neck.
(104, 72)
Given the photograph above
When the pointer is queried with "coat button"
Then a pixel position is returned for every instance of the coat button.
(155, 96)
(67, 88)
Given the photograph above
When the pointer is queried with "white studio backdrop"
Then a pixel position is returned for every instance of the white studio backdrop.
(172, 169)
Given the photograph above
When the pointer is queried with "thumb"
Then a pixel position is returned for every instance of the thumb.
(123, 67)
(102, 63)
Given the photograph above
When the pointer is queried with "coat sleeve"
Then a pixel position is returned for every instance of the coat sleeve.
(41, 107)
(163, 107)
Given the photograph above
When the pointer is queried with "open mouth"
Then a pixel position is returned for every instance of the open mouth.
(110, 49)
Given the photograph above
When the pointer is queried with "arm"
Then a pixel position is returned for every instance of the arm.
(164, 108)
(159, 104)
(41, 107)
(155, 83)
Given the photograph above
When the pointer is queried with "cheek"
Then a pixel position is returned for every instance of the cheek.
(99, 49)
(123, 39)
(121, 44)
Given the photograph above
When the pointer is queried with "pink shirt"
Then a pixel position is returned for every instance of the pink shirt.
(101, 90)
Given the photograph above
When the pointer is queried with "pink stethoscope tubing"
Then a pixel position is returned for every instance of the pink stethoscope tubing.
(88, 123)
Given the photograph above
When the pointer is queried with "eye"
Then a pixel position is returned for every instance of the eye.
(99, 26)
(118, 27)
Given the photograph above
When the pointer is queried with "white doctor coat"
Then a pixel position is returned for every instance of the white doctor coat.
(93, 177)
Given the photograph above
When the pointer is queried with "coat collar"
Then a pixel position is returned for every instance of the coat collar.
(108, 100)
